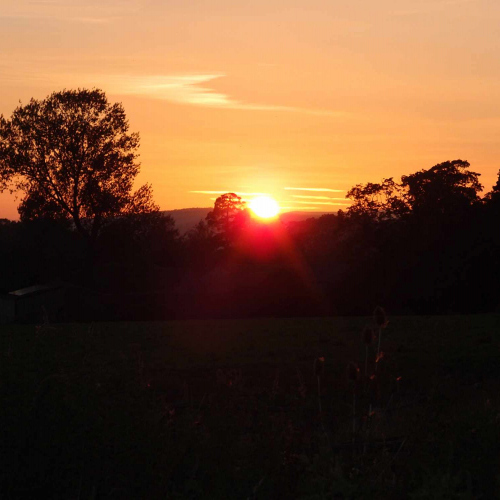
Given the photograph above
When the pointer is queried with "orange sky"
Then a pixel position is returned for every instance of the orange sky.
(263, 95)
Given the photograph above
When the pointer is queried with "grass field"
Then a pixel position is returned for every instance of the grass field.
(230, 409)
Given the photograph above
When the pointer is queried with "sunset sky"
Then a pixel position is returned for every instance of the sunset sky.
(264, 96)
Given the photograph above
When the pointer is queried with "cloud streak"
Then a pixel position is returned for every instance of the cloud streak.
(187, 89)
(315, 197)
(327, 190)
(322, 203)
(193, 89)
(80, 11)
(295, 209)
(182, 89)
(239, 193)
(434, 6)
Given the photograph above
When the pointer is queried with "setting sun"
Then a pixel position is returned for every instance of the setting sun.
(264, 207)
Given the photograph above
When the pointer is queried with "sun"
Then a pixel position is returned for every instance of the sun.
(264, 207)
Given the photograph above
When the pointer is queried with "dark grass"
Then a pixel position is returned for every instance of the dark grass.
(229, 409)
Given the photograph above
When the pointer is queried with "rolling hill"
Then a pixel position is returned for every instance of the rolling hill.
(186, 218)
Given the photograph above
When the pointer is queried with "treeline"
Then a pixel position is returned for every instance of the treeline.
(426, 244)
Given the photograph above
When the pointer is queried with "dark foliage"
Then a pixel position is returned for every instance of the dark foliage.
(426, 244)
(72, 158)
(228, 218)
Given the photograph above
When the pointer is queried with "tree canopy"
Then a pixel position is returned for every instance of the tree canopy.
(423, 244)
(445, 188)
(494, 195)
(228, 216)
(379, 201)
(72, 157)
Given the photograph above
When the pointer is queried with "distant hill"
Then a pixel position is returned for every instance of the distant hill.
(298, 216)
(186, 218)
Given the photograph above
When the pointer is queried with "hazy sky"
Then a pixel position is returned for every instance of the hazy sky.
(263, 95)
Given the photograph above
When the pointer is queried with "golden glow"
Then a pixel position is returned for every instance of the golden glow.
(264, 207)
(322, 100)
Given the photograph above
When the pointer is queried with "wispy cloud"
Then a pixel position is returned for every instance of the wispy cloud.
(315, 197)
(327, 190)
(80, 11)
(322, 203)
(431, 7)
(66, 19)
(183, 89)
(190, 89)
(239, 193)
(92, 20)
(187, 89)
(297, 208)
(243, 198)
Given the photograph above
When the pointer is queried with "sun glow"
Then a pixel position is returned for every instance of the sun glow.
(264, 207)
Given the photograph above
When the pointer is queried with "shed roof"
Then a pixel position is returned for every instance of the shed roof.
(30, 290)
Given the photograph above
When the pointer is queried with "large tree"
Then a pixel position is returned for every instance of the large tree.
(72, 157)
(228, 216)
(494, 194)
(378, 201)
(446, 188)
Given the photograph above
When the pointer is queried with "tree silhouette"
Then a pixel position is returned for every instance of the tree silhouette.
(494, 195)
(73, 158)
(446, 188)
(377, 201)
(496, 187)
(228, 216)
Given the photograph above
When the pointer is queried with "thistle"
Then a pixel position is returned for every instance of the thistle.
(276, 383)
(381, 321)
(367, 340)
(302, 385)
(352, 375)
(380, 317)
(367, 336)
(352, 372)
(319, 368)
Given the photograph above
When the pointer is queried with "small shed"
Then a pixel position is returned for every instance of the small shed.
(33, 303)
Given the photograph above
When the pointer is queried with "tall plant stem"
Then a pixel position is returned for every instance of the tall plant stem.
(353, 419)
(319, 395)
(378, 350)
(367, 436)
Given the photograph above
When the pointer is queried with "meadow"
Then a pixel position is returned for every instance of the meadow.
(251, 409)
